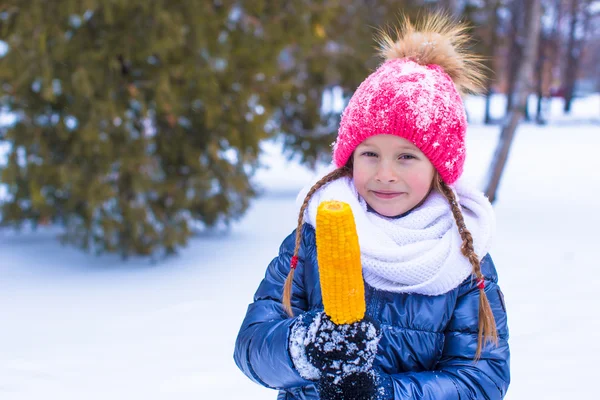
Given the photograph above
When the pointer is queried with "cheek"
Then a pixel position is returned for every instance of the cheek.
(423, 187)
(421, 181)
(360, 175)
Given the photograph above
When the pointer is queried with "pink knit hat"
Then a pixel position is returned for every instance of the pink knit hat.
(415, 95)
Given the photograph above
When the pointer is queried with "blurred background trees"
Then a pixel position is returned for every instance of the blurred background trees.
(519, 91)
(135, 120)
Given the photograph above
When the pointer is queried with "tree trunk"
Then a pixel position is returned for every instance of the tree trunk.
(493, 44)
(576, 48)
(488, 103)
(539, 118)
(521, 91)
(572, 56)
(516, 50)
(541, 61)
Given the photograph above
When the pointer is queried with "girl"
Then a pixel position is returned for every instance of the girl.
(435, 324)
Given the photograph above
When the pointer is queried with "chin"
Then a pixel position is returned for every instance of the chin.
(386, 212)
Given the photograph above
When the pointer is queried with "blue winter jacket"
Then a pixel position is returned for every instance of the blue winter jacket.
(428, 342)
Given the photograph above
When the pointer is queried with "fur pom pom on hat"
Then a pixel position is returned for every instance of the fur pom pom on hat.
(416, 94)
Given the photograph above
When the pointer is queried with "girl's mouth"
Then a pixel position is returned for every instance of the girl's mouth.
(387, 195)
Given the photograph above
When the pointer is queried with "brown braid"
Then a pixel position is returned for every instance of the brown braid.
(487, 323)
(287, 288)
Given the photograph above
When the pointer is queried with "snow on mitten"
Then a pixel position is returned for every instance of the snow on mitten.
(325, 352)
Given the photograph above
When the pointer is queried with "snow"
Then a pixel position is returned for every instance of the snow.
(76, 326)
(298, 341)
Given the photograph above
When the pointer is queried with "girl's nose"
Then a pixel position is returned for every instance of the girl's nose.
(385, 173)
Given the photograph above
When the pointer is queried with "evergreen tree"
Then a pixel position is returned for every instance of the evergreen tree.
(136, 117)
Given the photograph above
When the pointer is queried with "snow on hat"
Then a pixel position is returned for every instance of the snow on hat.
(416, 95)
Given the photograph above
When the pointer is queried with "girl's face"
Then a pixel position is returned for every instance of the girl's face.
(391, 174)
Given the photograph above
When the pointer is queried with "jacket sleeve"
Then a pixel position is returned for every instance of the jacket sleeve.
(261, 349)
(457, 376)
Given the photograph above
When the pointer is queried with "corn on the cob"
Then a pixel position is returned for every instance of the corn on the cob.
(340, 269)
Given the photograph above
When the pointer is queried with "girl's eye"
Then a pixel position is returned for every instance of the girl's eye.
(407, 157)
(369, 154)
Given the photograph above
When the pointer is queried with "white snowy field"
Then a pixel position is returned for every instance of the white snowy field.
(76, 326)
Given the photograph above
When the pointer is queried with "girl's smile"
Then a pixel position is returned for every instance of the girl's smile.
(387, 195)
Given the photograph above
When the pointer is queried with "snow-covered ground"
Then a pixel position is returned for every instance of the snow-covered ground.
(75, 326)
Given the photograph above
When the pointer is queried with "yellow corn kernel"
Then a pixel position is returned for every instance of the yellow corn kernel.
(340, 269)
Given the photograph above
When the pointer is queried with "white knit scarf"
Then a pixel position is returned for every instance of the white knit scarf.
(420, 252)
